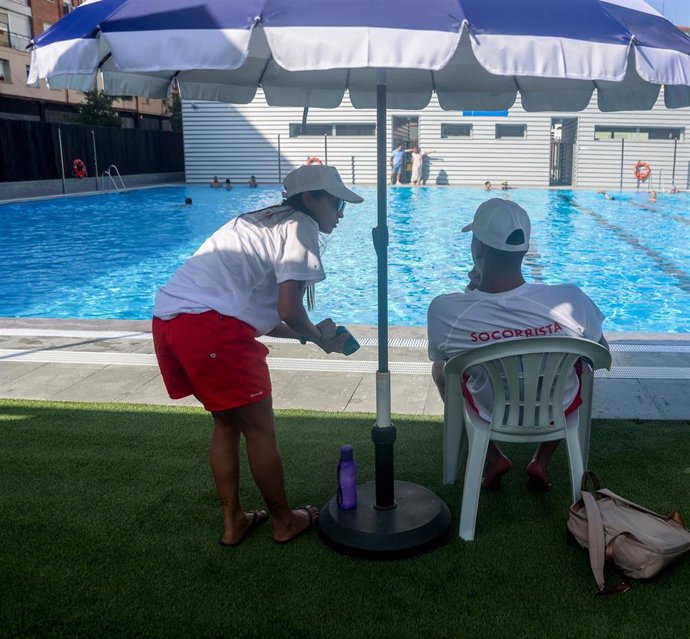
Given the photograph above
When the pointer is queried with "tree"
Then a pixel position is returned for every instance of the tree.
(97, 108)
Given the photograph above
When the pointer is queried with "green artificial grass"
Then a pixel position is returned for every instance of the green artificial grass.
(109, 527)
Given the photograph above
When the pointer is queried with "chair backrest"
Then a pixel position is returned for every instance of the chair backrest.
(528, 376)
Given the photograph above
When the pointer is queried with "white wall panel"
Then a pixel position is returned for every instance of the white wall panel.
(237, 141)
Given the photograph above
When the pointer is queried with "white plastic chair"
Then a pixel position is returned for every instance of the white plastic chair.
(529, 378)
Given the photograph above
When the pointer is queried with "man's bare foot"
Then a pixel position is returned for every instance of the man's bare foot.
(538, 477)
(302, 520)
(495, 469)
(244, 526)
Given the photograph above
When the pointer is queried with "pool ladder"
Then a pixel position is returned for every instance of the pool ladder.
(108, 181)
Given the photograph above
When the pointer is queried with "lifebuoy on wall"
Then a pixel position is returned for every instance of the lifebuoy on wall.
(312, 159)
(79, 169)
(642, 171)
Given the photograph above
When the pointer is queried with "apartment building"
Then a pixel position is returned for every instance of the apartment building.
(20, 20)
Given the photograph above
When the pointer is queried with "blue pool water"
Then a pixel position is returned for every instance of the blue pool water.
(104, 256)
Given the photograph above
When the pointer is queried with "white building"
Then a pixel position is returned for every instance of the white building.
(590, 149)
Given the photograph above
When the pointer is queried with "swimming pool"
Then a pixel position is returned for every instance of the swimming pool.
(104, 256)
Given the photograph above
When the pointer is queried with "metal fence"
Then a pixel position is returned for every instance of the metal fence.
(45, 151)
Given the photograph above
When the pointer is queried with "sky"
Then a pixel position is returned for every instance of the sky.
(677, 11)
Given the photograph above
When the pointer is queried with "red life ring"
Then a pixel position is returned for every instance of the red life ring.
(79, 169)
(642, 171)
(312, 159)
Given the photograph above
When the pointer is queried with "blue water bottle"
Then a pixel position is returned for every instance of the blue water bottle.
(347, 479)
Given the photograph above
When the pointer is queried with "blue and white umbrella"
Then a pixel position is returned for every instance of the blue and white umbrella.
(474, 54)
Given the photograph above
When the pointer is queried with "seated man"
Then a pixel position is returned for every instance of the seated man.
(498, 304)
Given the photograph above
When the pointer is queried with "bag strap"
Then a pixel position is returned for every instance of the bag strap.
(589, 474)
(597, 545)
(675, 516)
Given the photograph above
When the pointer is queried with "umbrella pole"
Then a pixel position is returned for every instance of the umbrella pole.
(383, 433)
(392, 519)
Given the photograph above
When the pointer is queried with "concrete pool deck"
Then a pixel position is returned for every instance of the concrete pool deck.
(113, 361)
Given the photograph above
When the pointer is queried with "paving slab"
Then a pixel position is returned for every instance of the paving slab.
(314, 390)
(622, 399)
(669, 396)
(109, 384)
(408, 395)
(46, 382)
(10, 371)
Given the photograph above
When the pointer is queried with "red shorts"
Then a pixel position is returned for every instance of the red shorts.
(212, 356)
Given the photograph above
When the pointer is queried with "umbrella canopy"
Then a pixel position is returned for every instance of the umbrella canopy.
(475, 54)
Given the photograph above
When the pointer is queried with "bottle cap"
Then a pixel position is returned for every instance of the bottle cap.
(346, 452)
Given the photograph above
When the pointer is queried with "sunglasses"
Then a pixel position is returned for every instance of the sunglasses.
(339, 205)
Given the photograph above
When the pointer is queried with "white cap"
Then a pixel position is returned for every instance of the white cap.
(495, 221)
(318, 178)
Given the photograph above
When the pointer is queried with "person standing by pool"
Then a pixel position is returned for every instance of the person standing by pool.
(396, 161)
(248, 279)
(498, 304)
(418, 165)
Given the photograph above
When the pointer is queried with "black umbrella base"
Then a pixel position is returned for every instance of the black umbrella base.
(418, 523)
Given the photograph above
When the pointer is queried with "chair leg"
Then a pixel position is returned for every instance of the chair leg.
(453, 436)
(478, 445)
(575, 455)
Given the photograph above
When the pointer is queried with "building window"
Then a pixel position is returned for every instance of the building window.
(454, 130)
(66, 7)
(341, 129)
(4, 71)
(299, 130)
(4, 29)
(355, 129)
(511, 131)
(638, 133)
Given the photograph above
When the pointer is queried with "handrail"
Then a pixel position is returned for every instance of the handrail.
(111, 180)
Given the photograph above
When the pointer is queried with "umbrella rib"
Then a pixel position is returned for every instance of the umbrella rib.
(263, 71)
(104, 60)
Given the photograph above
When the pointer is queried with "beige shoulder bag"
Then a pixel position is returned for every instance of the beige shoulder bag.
(616, 531)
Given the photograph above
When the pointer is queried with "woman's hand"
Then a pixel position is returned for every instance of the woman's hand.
(330, 342)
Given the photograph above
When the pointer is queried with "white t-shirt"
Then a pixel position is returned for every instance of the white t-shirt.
(460, 322)
(236, 271)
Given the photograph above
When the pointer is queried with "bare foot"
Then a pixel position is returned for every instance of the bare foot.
(302, 520)
(495, 469)
(538, 477)
(244, 525)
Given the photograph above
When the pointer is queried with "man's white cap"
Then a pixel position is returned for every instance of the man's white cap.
(496, 220)
(318, 178)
